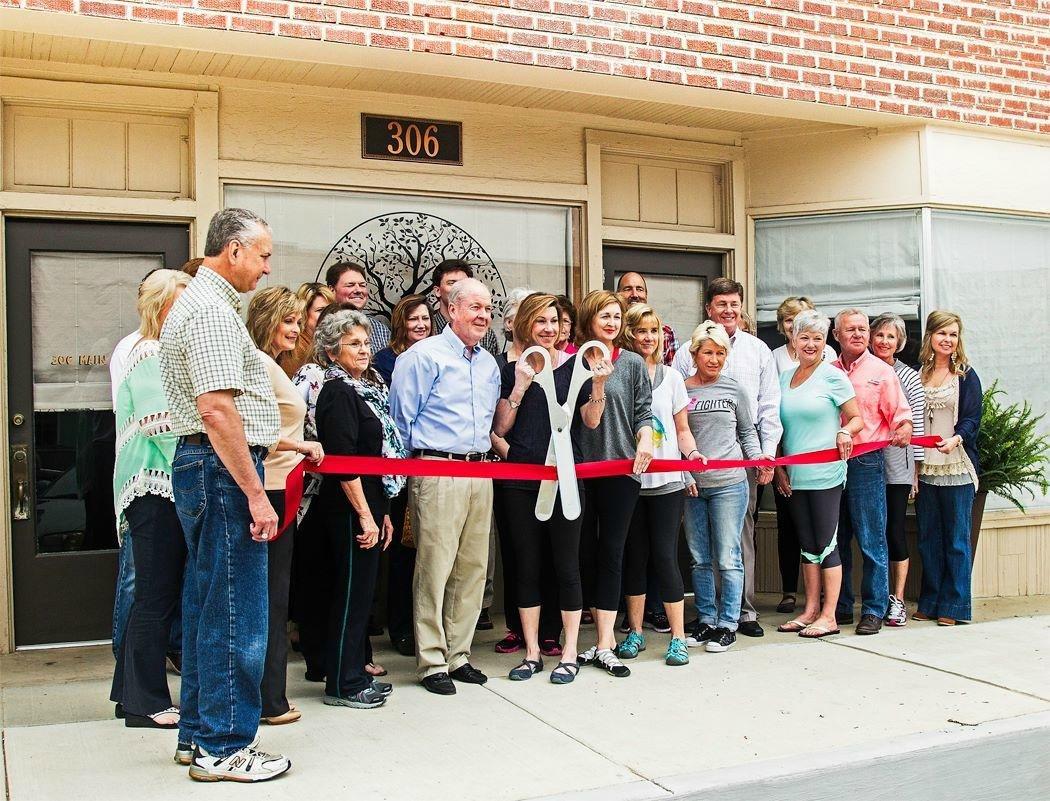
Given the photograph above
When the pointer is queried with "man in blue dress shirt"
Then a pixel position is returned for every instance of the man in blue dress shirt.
(443, 394)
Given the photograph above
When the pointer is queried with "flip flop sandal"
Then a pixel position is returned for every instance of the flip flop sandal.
(133, 721)
(787, 604)
(820, 632)
(792, 626)
(375, 671)
(564, 673)
(526, 670)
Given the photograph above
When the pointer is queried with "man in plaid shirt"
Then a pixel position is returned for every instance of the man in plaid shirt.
(633, 289)
(224, 412)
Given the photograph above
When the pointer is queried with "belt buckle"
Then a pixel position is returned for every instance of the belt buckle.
(474, 456)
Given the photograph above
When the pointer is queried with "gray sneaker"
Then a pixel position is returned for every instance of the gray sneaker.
(368, 698)
(247, 765)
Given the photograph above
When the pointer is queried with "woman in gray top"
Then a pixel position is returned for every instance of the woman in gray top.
(720, 419)
(625, 432)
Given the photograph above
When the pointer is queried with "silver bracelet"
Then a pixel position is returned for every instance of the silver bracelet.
(595, 401)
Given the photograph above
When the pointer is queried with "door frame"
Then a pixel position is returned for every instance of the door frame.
(76, 234)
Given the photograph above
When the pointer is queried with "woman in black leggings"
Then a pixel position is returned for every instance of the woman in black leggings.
(625, 432)
(523, 421)
(652, 539)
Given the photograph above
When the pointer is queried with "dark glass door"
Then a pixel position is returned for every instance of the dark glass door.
(71, 290)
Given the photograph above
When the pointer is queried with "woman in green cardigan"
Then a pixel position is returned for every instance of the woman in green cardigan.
(146, 514)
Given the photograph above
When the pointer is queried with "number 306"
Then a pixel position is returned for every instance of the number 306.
(413, 141)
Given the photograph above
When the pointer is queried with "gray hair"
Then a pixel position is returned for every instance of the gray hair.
(465, 287)
(810, 320)
(709, 330)
(230, 225)
(514, 299)
(848, 313)
(333, 327)
(889, 318)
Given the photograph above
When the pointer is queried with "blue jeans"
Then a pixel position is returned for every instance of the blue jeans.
(225, 614)
(126, 594)
(944, 544)
(863, 514)
(713, 524)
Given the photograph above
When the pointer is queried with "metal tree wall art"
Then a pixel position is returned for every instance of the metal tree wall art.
(399, 252)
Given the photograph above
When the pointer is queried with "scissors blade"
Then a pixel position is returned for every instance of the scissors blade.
(548, 489)
(566, 464)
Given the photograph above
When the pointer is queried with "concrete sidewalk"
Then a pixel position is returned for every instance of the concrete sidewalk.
(768, 707)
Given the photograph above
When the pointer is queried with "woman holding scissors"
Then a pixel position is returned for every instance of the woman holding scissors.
(625, 432)
(523, 420)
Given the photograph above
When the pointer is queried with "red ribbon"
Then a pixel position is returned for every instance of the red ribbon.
(382, 466)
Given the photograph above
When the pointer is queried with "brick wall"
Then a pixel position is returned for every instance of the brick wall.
(986, 63)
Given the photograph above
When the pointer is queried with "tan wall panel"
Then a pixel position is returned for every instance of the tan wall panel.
(658, 194)
(620, 190)
(988, 171)
(301, 128)
(155, 158)
(99, 154)
(833, 168)
(41, 151)
(698, 199)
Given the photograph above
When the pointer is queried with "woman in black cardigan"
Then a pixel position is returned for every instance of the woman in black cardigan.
(353, 511)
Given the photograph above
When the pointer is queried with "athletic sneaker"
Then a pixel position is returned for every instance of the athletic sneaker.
(368, 698)
(247, 765)
(897, 614)
(657, 621)
(699, 634)
(720, 640)
(183, 753)
(610, 663)
(677, 653)
(633, 645)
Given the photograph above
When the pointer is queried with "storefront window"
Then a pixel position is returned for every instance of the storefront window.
(401, 238)
(869, 260)
(994, 271)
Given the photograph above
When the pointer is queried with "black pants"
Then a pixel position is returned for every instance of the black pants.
(787, 545)
(139, 680)
(530, 538)
(610, 504)
(278, 584)
(816, 515)
(312, 578)
(652, 545)
(896, 513)
(351, 582)
(550, 619)
(401, 567)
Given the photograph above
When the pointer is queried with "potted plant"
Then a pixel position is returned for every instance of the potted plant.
(1014, 455)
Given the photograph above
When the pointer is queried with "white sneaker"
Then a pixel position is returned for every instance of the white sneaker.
(897, 614)
(247, 765)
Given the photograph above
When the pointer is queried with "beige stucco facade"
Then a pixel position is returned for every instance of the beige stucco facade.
(295, 123)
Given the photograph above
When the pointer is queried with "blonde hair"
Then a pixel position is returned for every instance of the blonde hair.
(935, 321)
(588, 310)
(528, 312)
(635, 318)
(710, 330)
(268, 307)
(156, 293)
(790, 307)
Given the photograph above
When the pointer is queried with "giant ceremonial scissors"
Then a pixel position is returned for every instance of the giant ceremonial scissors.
(559, 452)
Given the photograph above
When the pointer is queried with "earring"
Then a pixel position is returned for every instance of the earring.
(952, 360)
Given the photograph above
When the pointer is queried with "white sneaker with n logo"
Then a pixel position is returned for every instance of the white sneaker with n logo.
(247, 765)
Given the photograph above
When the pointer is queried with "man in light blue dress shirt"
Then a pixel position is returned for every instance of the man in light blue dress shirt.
(443, 394)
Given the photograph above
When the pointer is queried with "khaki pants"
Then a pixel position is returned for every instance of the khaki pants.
(451, 518)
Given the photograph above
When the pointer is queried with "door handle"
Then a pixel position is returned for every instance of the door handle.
(20, 482)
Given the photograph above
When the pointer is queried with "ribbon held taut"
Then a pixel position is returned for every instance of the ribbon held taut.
(382, 466)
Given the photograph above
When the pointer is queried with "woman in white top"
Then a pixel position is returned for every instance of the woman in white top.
(274, 318)
(786, 358)
(657, 517)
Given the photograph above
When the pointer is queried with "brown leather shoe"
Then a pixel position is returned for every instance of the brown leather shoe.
(920, 616)
(945, 621)
(869, 624)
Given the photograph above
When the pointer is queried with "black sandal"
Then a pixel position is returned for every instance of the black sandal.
(526, 670)
(564, 673)
(133, 721)
(785, 605)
